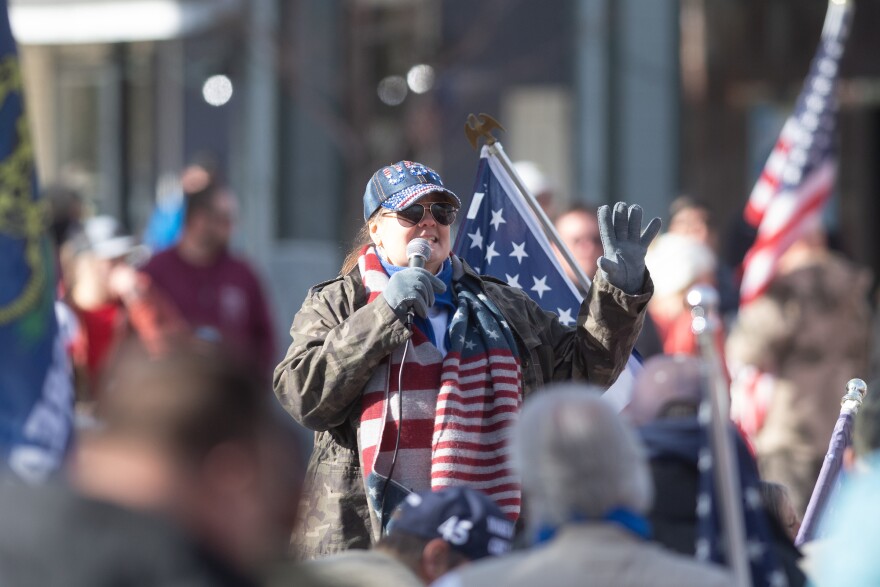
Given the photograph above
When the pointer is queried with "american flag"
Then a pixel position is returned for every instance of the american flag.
(500, 236)
(799, 174)
(36, 392)
(789, 195)
(764, 566)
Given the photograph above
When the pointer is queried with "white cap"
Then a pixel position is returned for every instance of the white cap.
(677, 261)
(535, 180)
(105, 241)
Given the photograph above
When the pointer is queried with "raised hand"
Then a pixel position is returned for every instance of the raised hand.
(625, 245)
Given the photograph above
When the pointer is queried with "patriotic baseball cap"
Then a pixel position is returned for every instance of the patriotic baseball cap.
(467, 519)
(402, 184)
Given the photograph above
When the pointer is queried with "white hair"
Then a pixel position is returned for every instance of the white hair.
(578, 458)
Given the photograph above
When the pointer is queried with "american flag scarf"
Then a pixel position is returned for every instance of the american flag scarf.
(458, 410)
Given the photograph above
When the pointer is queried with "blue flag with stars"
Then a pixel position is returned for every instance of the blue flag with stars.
(766, 571)
(36, 392)
(500, 236)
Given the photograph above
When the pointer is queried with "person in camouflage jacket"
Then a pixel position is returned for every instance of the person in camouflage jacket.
(339, 340)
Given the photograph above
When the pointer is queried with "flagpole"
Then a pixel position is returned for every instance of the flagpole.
(704, 301)
(841, 438)
(476, 127)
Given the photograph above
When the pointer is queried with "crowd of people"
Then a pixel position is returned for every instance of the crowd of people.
(460, 433)
(185, 286)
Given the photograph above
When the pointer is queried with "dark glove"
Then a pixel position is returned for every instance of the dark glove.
(412, 289)
(625, 245)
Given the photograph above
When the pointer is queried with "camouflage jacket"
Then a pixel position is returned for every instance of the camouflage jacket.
(338, 339)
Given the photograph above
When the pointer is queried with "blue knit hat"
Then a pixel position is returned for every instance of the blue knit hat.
(402, 184)
(467, 519)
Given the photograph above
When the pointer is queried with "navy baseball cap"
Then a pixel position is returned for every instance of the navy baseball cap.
(402, 184)
(467, 519)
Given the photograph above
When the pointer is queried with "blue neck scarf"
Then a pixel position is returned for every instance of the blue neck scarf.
(623, 517)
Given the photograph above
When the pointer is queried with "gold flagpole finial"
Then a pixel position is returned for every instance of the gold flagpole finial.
(478, 126)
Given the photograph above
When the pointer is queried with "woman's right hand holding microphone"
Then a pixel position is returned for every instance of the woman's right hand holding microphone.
(412, 289)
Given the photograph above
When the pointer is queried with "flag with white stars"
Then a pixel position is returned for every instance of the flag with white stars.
(799, 175)
(500, 236)
(763, 563)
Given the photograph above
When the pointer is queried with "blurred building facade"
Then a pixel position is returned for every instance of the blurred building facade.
(638, 100)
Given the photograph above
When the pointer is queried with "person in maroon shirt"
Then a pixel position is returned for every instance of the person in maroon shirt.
(208, 293)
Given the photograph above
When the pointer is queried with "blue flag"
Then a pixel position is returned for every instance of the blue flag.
(500, 236)
(36, 391)
(765, 568)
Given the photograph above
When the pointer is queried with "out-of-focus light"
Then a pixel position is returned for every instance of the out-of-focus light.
(217, 90)
(392, 90)
(420, 78)
(66, 22)
(103, 21)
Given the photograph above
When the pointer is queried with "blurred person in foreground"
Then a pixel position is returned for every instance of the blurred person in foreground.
(664, 409)
(191, 478)
(809, 333)
(472, 338)
(578, 227)
(847, 554)
(198, 290)
(429, 534)
(588, 488)
(844, 551)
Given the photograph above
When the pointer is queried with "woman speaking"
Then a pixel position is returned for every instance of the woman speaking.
(411, 368)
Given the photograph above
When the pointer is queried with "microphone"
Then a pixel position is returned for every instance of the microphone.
(418, 251)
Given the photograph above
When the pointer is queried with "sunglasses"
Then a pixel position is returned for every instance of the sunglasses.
(443, 212)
